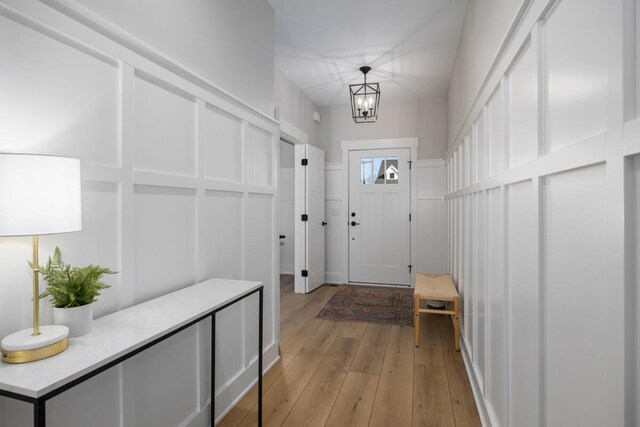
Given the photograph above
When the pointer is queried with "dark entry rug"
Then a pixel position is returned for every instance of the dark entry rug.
(371, 304)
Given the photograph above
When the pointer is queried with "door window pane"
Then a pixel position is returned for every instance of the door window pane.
(379, 170)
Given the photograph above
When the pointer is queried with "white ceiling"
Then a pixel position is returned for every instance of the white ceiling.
(409, 44)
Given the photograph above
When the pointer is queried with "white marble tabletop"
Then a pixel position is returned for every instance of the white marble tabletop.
(120, 333)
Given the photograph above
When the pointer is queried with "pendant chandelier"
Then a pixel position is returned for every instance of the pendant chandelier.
(365, 99)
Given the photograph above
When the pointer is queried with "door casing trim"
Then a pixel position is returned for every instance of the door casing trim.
(380, 144)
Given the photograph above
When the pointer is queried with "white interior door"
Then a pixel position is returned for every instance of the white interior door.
(379, 207)
(313, 239)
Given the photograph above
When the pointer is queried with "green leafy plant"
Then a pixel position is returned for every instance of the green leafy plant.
(70, 286)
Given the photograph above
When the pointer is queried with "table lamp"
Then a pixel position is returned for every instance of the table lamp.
(38, 195)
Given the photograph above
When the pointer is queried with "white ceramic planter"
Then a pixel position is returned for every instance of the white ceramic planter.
(79, 320)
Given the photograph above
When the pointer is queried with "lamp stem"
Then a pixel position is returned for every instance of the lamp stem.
(36, 288)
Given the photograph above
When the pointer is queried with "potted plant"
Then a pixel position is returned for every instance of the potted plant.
(73, 290)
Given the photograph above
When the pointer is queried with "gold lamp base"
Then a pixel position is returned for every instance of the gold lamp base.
(23, 346)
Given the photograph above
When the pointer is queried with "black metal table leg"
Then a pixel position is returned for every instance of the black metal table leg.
(213, 369)
(39, 414)
(260, 349)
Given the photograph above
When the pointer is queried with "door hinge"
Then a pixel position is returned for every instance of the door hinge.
(410, 162)
(305, 162)
(305, 273)
(305, 217)
(409, 217)
(410, 267)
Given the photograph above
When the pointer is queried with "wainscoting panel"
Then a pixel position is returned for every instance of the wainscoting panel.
(164, 128)
(496, 134)
(222, 220)
(524, 305)
(222, 145)
(258, 147)
(101, 394)
(575, 48)
(178, 186)
(546, 273)
(160, 387)
(497, 363)
(165, 240)
(56, 92)
(523, 107)
(574, 236)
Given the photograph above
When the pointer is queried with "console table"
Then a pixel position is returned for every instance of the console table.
(121, 335)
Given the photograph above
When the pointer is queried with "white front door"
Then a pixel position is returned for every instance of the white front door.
(379, 207)
(314, 225)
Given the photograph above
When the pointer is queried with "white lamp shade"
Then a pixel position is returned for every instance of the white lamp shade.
(39, 195)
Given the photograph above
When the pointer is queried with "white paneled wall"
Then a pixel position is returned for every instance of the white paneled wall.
(178, 186)
(535, 208)
(430, 217)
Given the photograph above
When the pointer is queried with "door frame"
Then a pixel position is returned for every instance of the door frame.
(291, 134)
(381, 144)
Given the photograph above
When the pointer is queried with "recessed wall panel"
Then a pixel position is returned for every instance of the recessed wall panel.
(524, 305)
(100, 394)
(96, 243)
(431, 241)
(220, 234)
(222, 145)
(496, 118)
(430, 181)
(482, 148)
(160, 385)
(523, 108)
(56, 99)
(575, 279)
(164, 240)
(575, 38)
(164, 129)
(258, 240)
(259, 151)
(497, 396)
(480, 288)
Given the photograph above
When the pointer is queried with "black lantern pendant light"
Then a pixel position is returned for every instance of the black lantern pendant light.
(365, 99)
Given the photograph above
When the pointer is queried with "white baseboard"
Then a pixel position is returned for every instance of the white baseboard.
(286, 269)
(235, 390)
(477, 393)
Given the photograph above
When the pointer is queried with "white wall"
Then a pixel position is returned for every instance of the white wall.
(296, 108)
(486, 25)
(535, 210)
(230, 44)
(425, 119)
(178, 186)
(430, 217)
(286, 208)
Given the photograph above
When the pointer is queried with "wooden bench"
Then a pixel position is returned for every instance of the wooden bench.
(436, 288)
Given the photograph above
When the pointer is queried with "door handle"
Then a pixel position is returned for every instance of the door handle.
(353, 223)
(282, 236)
(324, 223)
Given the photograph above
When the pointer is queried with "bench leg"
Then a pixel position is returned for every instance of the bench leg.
(416, 318)
(456, 310)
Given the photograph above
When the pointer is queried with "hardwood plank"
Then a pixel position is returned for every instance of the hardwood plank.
(242, 408)
(288, 387)
(353, 330)
(431, 399)
(464, 405)
(297, 339)
(393, 401)
(430, 352)
(315, 403)
(370, 355)
(355, 400)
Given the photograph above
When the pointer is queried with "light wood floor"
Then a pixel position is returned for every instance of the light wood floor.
(358, 374)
